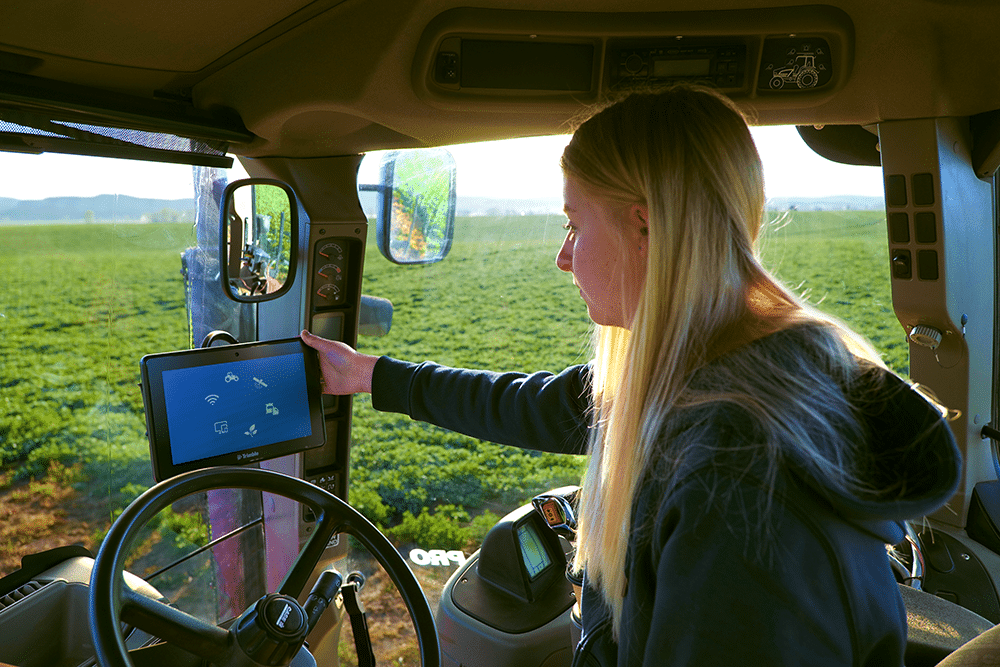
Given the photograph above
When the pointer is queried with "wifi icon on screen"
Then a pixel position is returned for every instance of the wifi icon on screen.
(211, 399)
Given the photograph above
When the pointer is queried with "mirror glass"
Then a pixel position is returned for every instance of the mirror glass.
(416, 212)
(259, 239)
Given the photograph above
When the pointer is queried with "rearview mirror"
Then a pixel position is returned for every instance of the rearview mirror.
(258, 240)
(416, 209)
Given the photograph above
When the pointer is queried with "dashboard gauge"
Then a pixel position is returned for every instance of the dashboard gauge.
(330, 260)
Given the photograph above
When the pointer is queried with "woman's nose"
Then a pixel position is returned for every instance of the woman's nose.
(564, 260)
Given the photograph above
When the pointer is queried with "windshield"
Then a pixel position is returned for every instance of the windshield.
(105, 268)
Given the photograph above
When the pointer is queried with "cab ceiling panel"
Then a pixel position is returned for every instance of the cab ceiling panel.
(178, 36)
(521, 72)
(378, 83)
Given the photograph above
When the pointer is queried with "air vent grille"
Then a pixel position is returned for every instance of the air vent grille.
(20, 593)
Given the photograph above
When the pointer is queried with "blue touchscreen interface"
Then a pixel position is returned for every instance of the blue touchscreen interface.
(235, 406)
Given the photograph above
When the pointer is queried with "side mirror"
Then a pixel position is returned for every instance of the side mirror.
(258, 243)
(416, 209)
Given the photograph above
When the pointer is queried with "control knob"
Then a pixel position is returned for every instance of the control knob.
(926, 336)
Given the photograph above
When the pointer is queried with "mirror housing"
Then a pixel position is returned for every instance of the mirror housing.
(258, 240)
(416, 209)
(374, 316)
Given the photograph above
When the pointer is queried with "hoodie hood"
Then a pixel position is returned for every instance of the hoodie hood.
(896, 444)
(909, 456)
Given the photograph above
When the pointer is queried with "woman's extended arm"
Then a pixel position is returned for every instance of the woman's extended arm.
(542, 411)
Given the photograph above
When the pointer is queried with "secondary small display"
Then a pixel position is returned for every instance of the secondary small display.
(231, 405)
(533, 553)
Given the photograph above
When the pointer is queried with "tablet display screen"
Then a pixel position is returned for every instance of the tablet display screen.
(231, 405)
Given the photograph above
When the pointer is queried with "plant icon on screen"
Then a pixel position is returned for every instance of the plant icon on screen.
(252, 431)
(211, 399)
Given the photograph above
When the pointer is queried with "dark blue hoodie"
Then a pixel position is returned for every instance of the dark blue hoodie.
(728, 565)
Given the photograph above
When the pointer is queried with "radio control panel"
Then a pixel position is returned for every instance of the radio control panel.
(717, 65)
(772, 64)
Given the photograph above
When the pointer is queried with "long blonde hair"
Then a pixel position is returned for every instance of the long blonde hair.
(687, 154)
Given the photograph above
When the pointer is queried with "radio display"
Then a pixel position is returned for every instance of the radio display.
(664, 68)
(720, 62)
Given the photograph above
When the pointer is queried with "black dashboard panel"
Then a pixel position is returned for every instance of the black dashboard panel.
(521, 65)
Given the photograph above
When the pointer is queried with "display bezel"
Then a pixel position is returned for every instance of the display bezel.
(161, 447)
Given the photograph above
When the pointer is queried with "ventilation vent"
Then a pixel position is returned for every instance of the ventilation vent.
(19, 594)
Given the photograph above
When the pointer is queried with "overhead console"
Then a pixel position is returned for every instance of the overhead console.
(514, 58)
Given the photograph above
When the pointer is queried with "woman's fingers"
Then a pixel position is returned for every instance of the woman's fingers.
(344, 370)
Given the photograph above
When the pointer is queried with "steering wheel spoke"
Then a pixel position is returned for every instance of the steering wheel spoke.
(174, 626)
(326, 527)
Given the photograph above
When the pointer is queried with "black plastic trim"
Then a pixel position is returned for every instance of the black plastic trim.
(846, 144)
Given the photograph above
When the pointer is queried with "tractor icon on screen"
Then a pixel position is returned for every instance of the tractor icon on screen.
(802, 72)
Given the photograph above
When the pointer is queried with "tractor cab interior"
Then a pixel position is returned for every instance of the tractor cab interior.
(381, 173)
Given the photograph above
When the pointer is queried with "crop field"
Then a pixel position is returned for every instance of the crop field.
(83, 303)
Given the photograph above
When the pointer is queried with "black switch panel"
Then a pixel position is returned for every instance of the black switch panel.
(923, 190)
(902, 264)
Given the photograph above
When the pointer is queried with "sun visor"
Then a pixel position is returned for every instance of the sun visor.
(39, 116)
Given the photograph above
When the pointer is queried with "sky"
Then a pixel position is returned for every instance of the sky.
(525, 168)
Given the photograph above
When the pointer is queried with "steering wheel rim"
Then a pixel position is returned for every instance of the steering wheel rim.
(333, 515)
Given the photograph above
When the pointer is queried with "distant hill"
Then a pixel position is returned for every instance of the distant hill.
(123, 207)
(101, 207)
(831, 203)
(478, 206)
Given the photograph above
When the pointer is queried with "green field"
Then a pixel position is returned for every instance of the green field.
(85, 302)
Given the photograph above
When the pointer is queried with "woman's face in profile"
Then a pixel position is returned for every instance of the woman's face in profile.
(605, 250)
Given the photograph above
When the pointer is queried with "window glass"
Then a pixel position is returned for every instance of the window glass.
(104, 267)
(99, 252)
(95, 284)
(826, 238)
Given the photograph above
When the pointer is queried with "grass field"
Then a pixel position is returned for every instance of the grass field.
(85, 302)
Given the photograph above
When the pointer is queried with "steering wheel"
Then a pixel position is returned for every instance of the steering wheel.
(110, 602)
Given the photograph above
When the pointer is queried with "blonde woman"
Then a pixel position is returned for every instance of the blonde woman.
(749, 458)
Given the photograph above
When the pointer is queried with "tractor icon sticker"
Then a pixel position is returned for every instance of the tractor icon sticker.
(800, 71)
